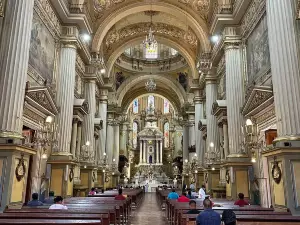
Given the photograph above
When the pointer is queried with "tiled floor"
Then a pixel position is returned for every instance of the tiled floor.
(149, 212)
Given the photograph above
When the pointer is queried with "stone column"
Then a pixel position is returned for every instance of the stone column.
(211, 97)
(198, 101)
(157, 151)
(74, 137)
(103, 116)
(161, 152)
(234, 93)
(284, 51)
(79, 134)
(221, 135)
(65, 96)
(116, 141)
(144, 151)
(178, 142)
(141, 152)
(185, 141)
(123, 139)
(89, 119)
(192, 140)
(226, 143)
(14, 54)
(109, 141)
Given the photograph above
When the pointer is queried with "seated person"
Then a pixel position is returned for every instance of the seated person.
(50, 200)
(193, 209)
(35, 200)
(102, 191)
(229, 217)
(183, 198)
(120, 196)
(208, 197)
(173, 195)
(58, 203)
(189, 195)
(241, 202)
(208, 215)
(92, 192)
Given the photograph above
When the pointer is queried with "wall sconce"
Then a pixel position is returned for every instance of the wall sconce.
(253, 158)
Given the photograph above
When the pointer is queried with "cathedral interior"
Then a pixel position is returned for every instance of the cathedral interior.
(101, 93)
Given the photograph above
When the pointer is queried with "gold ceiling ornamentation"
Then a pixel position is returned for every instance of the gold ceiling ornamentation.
(115, 36)
(199, 5)
(102, 5)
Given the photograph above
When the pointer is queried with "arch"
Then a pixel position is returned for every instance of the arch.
(189, 57)
(168, 82)
(199, 27)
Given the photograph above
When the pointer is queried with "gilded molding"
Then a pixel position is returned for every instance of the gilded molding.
(201, 6)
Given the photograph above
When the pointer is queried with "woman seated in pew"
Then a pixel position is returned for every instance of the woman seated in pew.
(183, 198)
(241, 202)
(58, 203)
(120, 196)
(92, 191)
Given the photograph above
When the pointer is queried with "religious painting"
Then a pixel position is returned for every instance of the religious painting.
(151, 101)
(258, 53)
(166, 134)
(42, 49)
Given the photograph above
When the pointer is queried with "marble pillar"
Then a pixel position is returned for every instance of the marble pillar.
(178, 141)
(123, 139)
(157, 151)
(283, 35)
(116, 138)
(161, 152)
(14, 54)
(65, 96)
(212, 126)
(144, 151)
(141, 152)
(89, 119)
(79, 135)
(185, 141)
(192, 140)
(198, 101)
(234, 93)
(221, 135)
(109, 141)
(226, 143)
(74, 137)
(102, 113)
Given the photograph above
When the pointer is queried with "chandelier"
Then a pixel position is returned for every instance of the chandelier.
(150, 85)
(150, 42)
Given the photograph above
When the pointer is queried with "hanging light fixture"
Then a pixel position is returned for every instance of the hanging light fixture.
(150, 41)
(150, 85)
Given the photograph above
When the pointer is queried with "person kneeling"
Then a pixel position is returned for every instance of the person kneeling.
(58, 203)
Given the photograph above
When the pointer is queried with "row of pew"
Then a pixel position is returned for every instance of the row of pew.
(96, 210)
(176, 212)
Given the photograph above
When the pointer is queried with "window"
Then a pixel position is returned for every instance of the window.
(151, 101)
(173, 52)
(128, 51)
(134, 134)
(166, 134)
(135, 106)
(151, 52)
(166, 106)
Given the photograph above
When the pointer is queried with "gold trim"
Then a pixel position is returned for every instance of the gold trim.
(19, 148)
(67, 162)
(237, 164)
(237, 155)
(61, 154)
(280, 152)
(10, 134)
(287, 138)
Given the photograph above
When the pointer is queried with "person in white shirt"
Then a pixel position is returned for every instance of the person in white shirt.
(202, 193)
(58, 203)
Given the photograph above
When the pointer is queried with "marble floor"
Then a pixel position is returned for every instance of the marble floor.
(148, 212)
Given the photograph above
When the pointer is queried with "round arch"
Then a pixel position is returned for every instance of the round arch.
(168, 85)
(189, 57)
(199, 27)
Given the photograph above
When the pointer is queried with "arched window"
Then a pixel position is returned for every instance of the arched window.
(151, 101)
(134, 134)
(151, 52)
(166, 106)
(167, 134)
(135, 106)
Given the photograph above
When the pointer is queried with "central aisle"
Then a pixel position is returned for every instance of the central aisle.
(149, 212)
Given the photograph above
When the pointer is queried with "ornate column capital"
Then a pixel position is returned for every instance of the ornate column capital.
(211, 76)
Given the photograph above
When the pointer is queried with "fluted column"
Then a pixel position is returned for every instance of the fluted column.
(221, 135)
(234, 94)
(124, 138)
(284, 52)
(198, 100)
(178, 142)
(144, 152)
(226, 143)
(192, 140)
(211, 97)
(141, 152)
(109, 141)
(74, 137)
(161, 152)
(79, 134)
(185, 141)
(89, 119)
(14, 55)
(65, 96)
(116, 141)
(157, 151)
(102, 114)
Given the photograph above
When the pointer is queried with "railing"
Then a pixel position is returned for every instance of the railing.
(222, 9)
(81, 9)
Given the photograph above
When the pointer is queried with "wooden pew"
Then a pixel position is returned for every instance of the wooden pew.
(48, 222)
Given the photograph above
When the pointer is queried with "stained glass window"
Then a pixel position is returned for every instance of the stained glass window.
(135, 106)
(151, 52)
(151, 101)
(134, 134)
(166, 134)
(166, 106)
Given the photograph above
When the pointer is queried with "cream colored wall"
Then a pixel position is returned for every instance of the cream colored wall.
(84, 177)
(296, 178)
(228, 190)
(57, 181)
(278, 189)
(242, 183)
(18, 187)
(215, 180)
